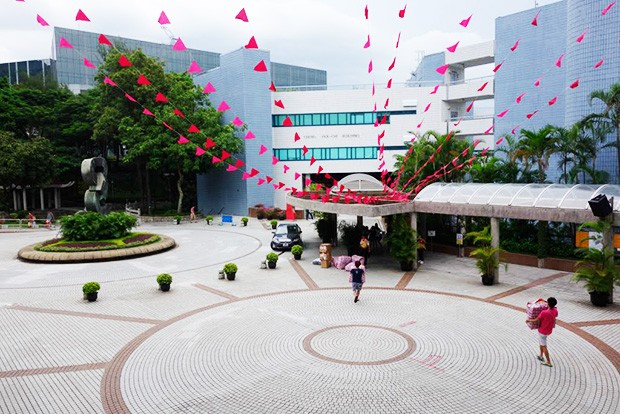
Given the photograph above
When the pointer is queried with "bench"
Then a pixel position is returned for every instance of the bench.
(227, 219)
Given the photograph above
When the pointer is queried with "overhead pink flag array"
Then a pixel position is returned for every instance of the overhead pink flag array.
(42, 21)
(80, 16)
(163, 19)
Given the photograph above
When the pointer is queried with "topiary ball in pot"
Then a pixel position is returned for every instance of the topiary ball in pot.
(230, 269)
(297, 250)
(90, 291)
(164, 280)
(272, 259)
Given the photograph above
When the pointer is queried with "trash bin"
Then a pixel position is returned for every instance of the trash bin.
(325, 254)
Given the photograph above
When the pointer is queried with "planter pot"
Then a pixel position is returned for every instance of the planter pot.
(244, 223)
(274, 227)
(487, 280)
(599, 298)
(91, 297)
(296, 256)
(208, 222)
(406, 266)
(271, 265)
(164, 287)
(231, 276)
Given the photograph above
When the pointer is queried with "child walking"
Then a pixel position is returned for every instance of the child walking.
(357, 278)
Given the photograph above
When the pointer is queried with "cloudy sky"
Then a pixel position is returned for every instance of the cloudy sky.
(322, 34)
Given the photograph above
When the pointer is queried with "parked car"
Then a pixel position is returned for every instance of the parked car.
(286, 236)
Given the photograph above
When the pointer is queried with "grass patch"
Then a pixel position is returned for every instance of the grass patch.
(68, 246)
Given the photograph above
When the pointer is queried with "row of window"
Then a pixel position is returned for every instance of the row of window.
(334, 153)
(338, 118)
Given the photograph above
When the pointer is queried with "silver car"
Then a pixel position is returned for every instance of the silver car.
(286, 236)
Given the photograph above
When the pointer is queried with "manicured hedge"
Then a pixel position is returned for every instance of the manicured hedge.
(93, 226)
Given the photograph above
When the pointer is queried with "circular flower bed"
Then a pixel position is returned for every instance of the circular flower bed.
(131, 240)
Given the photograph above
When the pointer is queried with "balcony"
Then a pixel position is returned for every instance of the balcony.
(472, 126)
(468, 90)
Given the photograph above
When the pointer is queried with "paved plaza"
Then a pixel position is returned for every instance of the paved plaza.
(291, 340)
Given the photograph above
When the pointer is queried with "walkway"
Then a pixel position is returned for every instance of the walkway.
(291, 340)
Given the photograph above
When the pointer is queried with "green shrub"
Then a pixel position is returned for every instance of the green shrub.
(164, 279)
(95, 226)
(274, 223)
(297, 249)
(244, 220)
(209, 218)
(272, 257)
(90, 287)
(230, 268)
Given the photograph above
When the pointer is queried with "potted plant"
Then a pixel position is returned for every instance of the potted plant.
(597, 268)
(230, 270)
(244, 220)
(209, 219)
(401, 241)
(164, 281)
(274, 224)
(297, 250)
(486, 256)
(90, 290)
(272, 259)
(177, 219)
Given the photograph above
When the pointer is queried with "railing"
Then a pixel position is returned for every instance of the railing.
(134, 212)
(15, 224)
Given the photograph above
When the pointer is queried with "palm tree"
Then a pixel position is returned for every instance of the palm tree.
(611, 100)
(594, 132)
(510, 170)
(566, 146)
(536, 147)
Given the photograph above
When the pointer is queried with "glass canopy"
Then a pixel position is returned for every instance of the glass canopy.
(566, 196)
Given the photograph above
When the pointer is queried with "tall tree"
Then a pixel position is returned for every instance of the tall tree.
(145, 140)
(611, 100)
(535, 148)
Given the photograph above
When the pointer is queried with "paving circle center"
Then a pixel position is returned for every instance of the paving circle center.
(359, 344)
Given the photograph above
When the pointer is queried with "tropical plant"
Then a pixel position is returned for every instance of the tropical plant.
(325, 228)
(611, 111)
(90, 287)
(274, 223)
(401, 239)
(178, 219)
(272, 257)
(244, 220)
(230, 268)
(487, 257)
(209, 219)
(350, 234)
(164, 279)
(535, 148)
(596, 268)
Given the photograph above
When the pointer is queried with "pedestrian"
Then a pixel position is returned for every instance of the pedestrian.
(546, 319)
(309, 215)
(357, 278)
(364, 249)
(31, 220)
(421, 249)
(49, 220)
(192, 215)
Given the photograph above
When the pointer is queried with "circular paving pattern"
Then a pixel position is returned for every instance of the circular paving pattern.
(248, 356)
(359, 345)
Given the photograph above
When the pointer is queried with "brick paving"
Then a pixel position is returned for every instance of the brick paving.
(291, 340)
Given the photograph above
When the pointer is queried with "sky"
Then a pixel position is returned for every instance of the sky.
(321, 34)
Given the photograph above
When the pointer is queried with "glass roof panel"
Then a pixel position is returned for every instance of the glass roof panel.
(551, 197)
(578, 196)
(505, 194)
(429, 192)
(464, 193)
(611, 191)
(446, 193)
(484, 193)
(528, 196)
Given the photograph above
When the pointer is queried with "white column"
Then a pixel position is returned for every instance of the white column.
(495, 243)
(14, 199)
(42, 198)
(25, 206)
(414, 226)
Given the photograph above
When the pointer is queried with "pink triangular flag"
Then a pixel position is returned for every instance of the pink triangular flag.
(193, 129)
(249, 135)
(558, 62)
(89, 64)
(287, 122)
(272, 87)
(312, 160)
(269, 179)
(458, 122)
(499, 141)
(420, 124)
(387, 102)
(498, 66)
(231, 167)
(260, 67)
(469, 107)
(194, 68)
(80, 16)
(427, 107)
(179, 46)
(199, 151)
(304, 150)
(278, 103)
(392, 65)
(285, 168)
(537, 83)
(209, 143)
(503, 113)
(465, 22)
(260, 181)
(245, 175)
(208, 88)
(452, 48)
(275, 160)
(64, 43)
(398, 40)
(552, 101)
(580, 37)
(297, 175)
(535, 21)
(182, 140)
(389, 84)
(123, 61)
(367, 44)
(401, 13)
(370, 66)
(515, 46)
(484, 85)
(223, 107)
(161, 97)
(514, 130)
(104, 40)
(109, 81)
(297, 137)
(163, 19)
(531, 114)
(177, 112)
(242, 16)
(606, 9)
(598, 64)
(237, 121)
(434, 91)
(252, 44)
(226, 155)
(574, 84)
(215, 160)
(366, 12)
(442, 69)
(147, 112)
(131, 98)
(42, 21)
(520, 97)
(142, 80)
(262, 150)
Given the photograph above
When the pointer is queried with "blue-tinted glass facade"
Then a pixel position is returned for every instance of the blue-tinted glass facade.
(426, 72)
(332, 153)
(290, 75)
(15, 71)
(338, 118)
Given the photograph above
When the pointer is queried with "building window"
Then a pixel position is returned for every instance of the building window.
(338, 118)
(327, 154)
